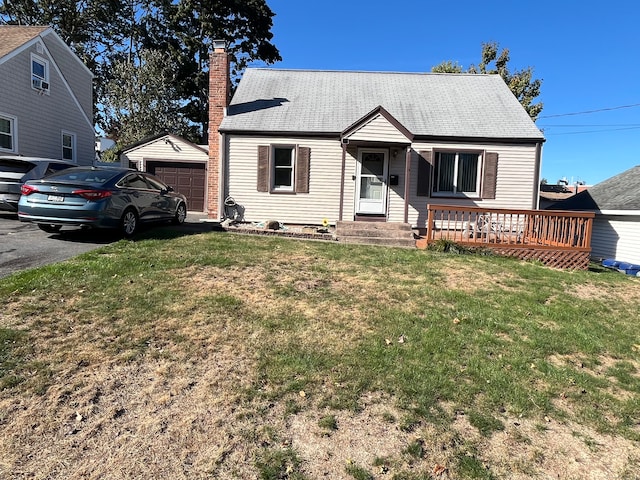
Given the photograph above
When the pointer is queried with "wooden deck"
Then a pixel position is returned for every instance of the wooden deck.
(556, 238)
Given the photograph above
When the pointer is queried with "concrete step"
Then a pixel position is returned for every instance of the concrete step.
(387, 242)
(375, 226)
(375, 233)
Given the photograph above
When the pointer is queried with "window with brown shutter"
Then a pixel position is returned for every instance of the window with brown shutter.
(458, 173)
(302, 170)
(283, 168)
(263, 168)
(425, 173)
(490, 175)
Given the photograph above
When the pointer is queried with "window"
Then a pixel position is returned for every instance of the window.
(283, 168)
(56, 167)
(68, 146)
(39, 73)
(134, 181)
(7, 133)
(457, 173)
(450, 173)
(156, 184)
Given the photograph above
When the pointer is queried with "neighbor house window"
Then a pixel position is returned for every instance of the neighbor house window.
(68, 146)
(39, 73)
(457, 173)
(283, 168)
(7, 133)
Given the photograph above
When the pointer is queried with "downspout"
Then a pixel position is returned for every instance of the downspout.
(407, 181)
(222, 175)
(345, 142)
(538, 166)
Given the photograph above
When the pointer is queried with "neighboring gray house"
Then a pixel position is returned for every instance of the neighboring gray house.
(301, 146)
(616, 227)
(46, 97)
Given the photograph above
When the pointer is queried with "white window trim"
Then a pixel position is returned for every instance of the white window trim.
(45, 63)
(14, 133)
(73, 145)
(274, 187)
(455, 192)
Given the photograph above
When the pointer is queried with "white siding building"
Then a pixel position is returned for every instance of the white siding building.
(303, 146)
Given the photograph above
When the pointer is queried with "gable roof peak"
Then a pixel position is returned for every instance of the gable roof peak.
(14, 36)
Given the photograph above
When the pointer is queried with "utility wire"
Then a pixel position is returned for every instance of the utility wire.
(592, 131)
(592, 125)
(590, 111)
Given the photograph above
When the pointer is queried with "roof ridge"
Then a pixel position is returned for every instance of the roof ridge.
(376, 72)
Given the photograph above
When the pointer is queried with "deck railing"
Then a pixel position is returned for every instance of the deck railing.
(557, 238)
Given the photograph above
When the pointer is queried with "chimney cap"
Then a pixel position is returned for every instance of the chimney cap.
(219, 45)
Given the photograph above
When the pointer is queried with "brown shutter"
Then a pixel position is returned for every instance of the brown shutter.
(263, 168)
(490, 175)
(425, 172)
(303, 157)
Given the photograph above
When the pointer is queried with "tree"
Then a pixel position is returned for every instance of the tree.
(143, 100)
(186, 28)
(106, 33)
(520, 82)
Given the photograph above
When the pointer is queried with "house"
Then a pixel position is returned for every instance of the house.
(616, 226)
(551, 194)
(46, 97)
(177, 162)
(303, 146)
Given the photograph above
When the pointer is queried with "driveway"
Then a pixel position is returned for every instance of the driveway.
(24, 245)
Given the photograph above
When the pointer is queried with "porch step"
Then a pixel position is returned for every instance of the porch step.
(376, 233)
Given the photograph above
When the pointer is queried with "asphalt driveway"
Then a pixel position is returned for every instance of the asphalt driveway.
(24, 245)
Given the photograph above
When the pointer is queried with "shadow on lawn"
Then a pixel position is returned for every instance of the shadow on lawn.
(155, 231)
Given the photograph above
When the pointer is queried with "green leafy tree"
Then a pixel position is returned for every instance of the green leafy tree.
(495, 61)
(106, 33)
(143, 100)
(187, 28)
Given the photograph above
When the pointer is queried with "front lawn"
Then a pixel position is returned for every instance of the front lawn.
(231, 356)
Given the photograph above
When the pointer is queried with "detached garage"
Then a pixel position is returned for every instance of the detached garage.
(178, 162)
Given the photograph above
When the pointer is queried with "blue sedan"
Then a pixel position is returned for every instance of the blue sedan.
(99, 197)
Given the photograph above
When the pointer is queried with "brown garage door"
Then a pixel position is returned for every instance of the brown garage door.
(186, 178)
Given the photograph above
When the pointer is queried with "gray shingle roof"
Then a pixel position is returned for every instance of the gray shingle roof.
(621, 192)
(427, 104)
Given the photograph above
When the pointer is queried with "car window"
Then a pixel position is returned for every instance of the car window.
(13, 166)
(56, 167)
(133, 181)
(156, 184)
(83, 176)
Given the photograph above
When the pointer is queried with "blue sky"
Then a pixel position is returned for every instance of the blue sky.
(587, 54)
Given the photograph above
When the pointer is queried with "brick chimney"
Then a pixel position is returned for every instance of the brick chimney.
(219, 91)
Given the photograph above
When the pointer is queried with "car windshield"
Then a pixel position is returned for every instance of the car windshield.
(83, 176)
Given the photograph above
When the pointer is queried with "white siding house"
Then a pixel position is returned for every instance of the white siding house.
(302, 146)
(46, 97)
(616, 227)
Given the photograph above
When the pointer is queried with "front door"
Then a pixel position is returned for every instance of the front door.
(371, 186)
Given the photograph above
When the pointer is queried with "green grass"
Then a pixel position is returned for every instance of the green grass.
(490, 336)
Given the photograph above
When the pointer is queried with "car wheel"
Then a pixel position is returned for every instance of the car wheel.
(181, 214)
(47, 227)
(129, 222)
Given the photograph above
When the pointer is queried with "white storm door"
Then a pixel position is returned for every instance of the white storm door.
(371, 181)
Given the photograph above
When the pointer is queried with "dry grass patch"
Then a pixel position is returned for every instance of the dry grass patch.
(217, 358)
(608, 293)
